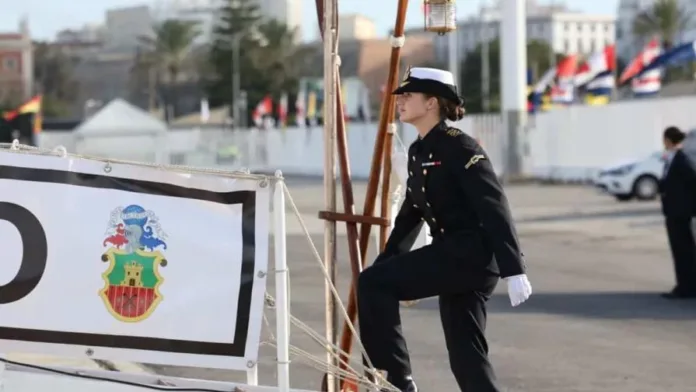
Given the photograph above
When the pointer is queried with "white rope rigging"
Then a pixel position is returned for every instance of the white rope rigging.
(299, 355)
(400, 142)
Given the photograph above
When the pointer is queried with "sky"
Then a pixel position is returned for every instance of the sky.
(46, 17)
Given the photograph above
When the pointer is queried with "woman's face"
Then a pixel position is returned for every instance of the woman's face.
(413, 106)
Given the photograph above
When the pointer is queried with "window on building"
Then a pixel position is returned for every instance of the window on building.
(566, 26)
(592, 27)
(566, 46)
(9, 64)
(593, 46)
(581, 49)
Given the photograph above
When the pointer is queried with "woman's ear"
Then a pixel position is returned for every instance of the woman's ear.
(431, 103)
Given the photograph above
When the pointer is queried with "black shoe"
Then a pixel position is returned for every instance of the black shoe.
(679, 294)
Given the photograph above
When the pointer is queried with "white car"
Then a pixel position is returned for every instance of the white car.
(638, 179)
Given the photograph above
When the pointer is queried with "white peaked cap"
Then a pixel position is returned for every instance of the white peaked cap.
(435, 74)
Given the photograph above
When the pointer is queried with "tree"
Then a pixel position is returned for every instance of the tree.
(53, 74)
(269, 61)
(280, 57)
(666, 19)
(539, 56)
(165, 53)
(170, 45)
(236, 21)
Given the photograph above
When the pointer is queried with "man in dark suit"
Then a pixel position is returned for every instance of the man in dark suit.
(18, 127)
(678, 197)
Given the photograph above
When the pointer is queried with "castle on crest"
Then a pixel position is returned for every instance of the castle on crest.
(133, 276)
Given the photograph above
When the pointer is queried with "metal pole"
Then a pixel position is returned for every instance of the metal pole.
(281, 281)
(453, 55)
(513, 60)
(236, 80)
(485, 61)
(552, 55)
(330, 186)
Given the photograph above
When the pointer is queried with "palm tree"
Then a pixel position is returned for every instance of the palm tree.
(170, 45)
(665, 19)
(167, 50)
(280, 58)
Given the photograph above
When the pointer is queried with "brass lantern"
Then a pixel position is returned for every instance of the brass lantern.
(440, 16)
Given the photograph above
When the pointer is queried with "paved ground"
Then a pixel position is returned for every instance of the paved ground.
(595, 322)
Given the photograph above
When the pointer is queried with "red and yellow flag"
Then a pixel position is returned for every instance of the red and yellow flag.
(32, 106)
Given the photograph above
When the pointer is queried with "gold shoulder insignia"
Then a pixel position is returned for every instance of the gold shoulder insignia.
(454, 132)
(405, 81)
(474, 160)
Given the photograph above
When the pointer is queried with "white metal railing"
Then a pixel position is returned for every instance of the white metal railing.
(564, 144)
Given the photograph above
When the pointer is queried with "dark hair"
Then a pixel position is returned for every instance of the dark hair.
(448, 109)
(674, 135)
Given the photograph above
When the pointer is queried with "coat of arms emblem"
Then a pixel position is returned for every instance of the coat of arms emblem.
(131, 282)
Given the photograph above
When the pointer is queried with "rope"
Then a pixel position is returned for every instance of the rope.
(327, 276)
(60, 151)
(306, 358)
(400, 142)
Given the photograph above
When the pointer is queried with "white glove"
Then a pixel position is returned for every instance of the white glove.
(519, 289)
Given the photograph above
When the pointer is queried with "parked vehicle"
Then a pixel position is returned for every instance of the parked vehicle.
(638, 179)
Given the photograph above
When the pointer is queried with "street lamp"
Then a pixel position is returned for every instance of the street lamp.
(236, 79)
(440, 16)
(237, 102)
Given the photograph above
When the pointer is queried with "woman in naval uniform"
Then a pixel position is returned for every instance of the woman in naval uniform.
(451, 187)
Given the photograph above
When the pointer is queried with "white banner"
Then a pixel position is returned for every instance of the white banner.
(124, 262)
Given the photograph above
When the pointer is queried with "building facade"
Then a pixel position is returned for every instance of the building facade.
(204, 12)
(355, 27)
(16, 65)
(566, 31)
(125, 26)
(285, 11)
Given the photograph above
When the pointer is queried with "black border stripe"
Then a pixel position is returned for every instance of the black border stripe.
(248, 201)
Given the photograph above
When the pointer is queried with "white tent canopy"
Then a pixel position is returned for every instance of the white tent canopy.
(122, 131)
(120, 117)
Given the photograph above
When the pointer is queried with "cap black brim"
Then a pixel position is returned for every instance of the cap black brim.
(429, 87)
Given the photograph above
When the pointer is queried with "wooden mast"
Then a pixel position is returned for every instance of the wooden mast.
(380, 168)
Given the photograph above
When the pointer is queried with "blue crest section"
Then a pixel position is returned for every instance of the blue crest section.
(138, 231)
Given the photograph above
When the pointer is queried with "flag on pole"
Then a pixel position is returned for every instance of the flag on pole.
(312, 108)
(31, 108)
(598, 63)
(648, 83)
(283, 110)
(679, 55)
(205, 111)
(564, 91)
(300, 115)
(263, 108)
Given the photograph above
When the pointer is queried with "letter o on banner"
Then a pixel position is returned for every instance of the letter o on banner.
(34, 252)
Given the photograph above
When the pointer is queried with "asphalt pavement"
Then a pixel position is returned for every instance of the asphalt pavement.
(595, 322)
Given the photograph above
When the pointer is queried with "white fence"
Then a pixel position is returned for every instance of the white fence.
(566, 144)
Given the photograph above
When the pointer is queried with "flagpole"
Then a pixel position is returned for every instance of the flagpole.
(485, 60)
(331, 315)
(614, 75)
